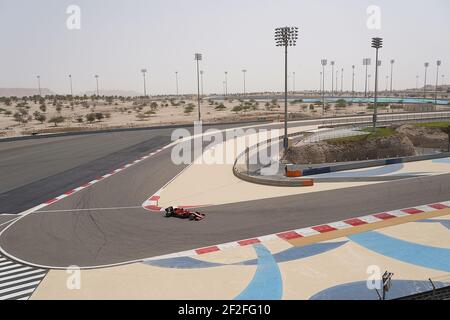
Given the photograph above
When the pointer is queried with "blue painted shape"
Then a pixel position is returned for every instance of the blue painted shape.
(297, 253)
(442, 161)
(389, 169)
(314, 171)
(409, 252)
(393, 161)
(183, 263)
(266, 283)
(359, 291)
(445, 223)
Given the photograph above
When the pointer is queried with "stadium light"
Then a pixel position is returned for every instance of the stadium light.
(324, 64)
(366, 63)
(377, 43)
(286, 37)
(198, 57)
(144, 71)
(426, 64)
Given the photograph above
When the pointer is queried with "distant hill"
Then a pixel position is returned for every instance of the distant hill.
(22, 92)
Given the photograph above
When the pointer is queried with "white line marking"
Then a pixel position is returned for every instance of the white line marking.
(16, 294)
(307, 232)
(10, 267)
(370, 219)
(24, 274)
(5, 263)
(89, 209)
(20, 286)
(6, 284)
(13, 271)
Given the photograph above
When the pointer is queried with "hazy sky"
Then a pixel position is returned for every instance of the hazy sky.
(118, 38)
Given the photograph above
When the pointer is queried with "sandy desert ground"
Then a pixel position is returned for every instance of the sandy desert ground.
(109, 112)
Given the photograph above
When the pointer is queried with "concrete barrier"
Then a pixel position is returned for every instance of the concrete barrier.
(371, 163)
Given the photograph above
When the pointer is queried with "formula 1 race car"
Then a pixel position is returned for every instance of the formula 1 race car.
(183, 214)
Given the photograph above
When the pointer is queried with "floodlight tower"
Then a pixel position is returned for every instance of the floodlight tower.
(332, 77)
(226, 83)
(198, 57)
(438, 64)
(144, 71)
(176, 82)
(392, 71)
(286, 37)
(342, 80)
(366, 63)
(39, 85)
(70, 81)
(201, 80)
(353, 82)
(324, 64)
(377, 43)
(244, 71)
(426, 64)
(96, 79)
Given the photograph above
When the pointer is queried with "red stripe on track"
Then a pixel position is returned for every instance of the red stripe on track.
(153, 208)
(207, 250)
(51, 201)
(438, 206)
(248, 242)
(384, 216)
(412, 211)
(355, 222)
(289, 235)
(324, 228)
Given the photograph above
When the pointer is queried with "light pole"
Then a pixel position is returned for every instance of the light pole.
(201, 80)
(366, 63)
(392, 71)
(144, 71)
(387, 81)
(96, 79)
(377, 43)
(332, 78)
(342, 80)
(70, 81)
(198, 57)
(226, 83)
(353, 82)
(324, 63)
(176, 81)
(39, 85)
(337, 76)
(285, 37)
(427, 64)
(293, 82)
(438, 64)
(320, 85)
(244, 72)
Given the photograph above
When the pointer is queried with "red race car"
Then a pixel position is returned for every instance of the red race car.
(183, 214)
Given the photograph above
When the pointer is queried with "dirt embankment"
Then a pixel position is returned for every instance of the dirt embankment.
(376, 148)
(425, 137)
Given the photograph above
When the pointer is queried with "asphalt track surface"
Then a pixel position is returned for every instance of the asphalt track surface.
(33, 171)
(119, 230)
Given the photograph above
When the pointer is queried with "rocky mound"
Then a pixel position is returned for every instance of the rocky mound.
(425, 137)
(376, 148)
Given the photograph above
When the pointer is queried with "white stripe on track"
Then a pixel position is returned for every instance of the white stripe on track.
(16, 294)
(6, 284)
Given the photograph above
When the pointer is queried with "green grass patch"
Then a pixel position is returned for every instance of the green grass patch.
(443, 125)
(380, 132)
